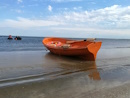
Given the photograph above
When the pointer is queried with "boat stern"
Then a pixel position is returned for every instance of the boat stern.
(93, 49)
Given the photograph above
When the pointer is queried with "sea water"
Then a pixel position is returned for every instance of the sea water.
(28, 61)
(26, 44)
(35, 43)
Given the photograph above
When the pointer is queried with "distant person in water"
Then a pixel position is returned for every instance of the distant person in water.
(18, 38)
(10, 37)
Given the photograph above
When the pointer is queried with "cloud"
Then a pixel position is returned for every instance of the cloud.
(77, 8)
(28, 23)
(19, 1)
(19, 11)
(114, 17)
(50, 8)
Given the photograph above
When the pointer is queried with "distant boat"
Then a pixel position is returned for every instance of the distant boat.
(10, 37)
(18, 38)
(85, 49)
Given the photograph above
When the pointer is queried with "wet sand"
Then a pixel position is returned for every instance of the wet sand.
(74, 86)
(39, 74)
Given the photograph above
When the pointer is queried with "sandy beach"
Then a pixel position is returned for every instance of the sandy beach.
(40, 74)
(73, 86)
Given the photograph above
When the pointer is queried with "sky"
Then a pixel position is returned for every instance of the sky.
(65, 18)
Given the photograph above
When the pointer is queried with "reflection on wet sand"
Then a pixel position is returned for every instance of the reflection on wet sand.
(73, 65)
(68, 78)
(64, 77)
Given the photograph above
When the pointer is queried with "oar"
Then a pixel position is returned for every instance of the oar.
(73, 41)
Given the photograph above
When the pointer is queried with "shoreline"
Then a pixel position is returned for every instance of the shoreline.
(62, 77)
(72, 86)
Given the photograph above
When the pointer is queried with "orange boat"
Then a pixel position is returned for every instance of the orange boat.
(85, 49)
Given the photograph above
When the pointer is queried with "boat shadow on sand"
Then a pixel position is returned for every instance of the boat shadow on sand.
(73, 65)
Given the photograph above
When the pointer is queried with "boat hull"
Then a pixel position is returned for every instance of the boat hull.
(83, 49)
